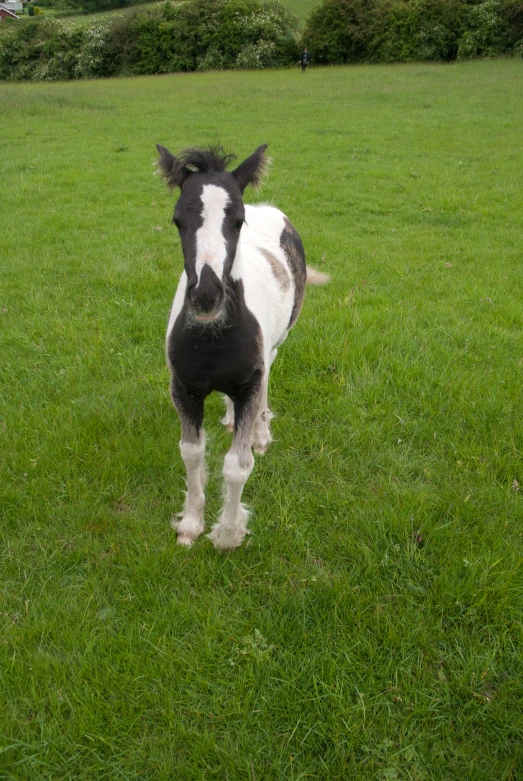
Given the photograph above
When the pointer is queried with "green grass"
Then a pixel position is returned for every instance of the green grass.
(87, 19)
(301, 8)
(372, 628)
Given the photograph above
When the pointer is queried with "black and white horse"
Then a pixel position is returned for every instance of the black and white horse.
(241, 291)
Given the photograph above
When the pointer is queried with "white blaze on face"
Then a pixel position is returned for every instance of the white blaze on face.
(210, 242)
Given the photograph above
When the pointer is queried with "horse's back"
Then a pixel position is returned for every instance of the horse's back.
(273, 252)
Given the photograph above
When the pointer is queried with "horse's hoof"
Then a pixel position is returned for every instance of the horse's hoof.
(225, 539)
(261, 441)
(188, 529)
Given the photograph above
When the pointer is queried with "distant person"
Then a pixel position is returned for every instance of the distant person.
(304, 60)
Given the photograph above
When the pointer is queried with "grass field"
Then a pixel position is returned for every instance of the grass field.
(87, 19)
(372, 627)
(301, 8)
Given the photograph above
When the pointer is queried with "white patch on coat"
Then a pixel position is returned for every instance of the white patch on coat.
(177, 304)
(191, 524)
(270, 304)
(211, 247)
(230, 530)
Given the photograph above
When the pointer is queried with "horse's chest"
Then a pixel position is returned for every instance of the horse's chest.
(222, 361)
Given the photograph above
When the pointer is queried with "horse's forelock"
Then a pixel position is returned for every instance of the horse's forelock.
(206, 160)
(212, 159)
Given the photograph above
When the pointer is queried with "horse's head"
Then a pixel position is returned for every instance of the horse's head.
(209, 216)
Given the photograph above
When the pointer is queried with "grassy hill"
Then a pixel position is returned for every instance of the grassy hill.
(86, 19)
(301, 8)
(372, 627)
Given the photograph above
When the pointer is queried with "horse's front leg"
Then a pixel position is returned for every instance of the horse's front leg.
(192, 449)
(230, 530)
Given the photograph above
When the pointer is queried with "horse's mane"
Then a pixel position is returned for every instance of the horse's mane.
(212, 159)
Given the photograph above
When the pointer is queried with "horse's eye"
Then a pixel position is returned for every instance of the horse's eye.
(238, 224)
(177, 222)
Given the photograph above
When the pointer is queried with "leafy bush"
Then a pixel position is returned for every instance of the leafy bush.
(92, 58)
(416, 30)
(339, 31)
(413, 30)
(196, 35)
(43, 50)
(514, 13)
(515, 22)
(209, 34)
(121, 46)
(487, 31)
(257, 55)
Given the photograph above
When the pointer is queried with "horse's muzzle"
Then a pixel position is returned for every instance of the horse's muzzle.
(206, 297)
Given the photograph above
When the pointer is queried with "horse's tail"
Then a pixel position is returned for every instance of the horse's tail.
(315, 277)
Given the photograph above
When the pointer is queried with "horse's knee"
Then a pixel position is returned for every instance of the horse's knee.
(192, 452)
(236, 467)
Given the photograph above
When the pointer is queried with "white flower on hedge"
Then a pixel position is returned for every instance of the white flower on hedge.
(91, 57)
(258, 55)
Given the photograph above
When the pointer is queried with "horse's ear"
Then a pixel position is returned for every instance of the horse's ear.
(251, 171)
(170, 167)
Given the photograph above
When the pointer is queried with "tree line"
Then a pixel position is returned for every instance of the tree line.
(386, 31)
(203, 35)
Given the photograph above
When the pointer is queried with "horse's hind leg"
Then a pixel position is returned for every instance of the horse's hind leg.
(228, 418)
(230, 530)
(192, 449)
(261, 435)
(261, 431)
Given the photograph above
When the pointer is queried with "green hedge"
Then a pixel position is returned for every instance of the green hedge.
(341, 31)
(168, 37)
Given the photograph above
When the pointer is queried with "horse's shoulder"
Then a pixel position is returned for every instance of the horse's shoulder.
(264, 214)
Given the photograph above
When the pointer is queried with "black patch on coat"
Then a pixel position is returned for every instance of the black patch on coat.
(292, 246)
(205, 358)
(209, 295)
